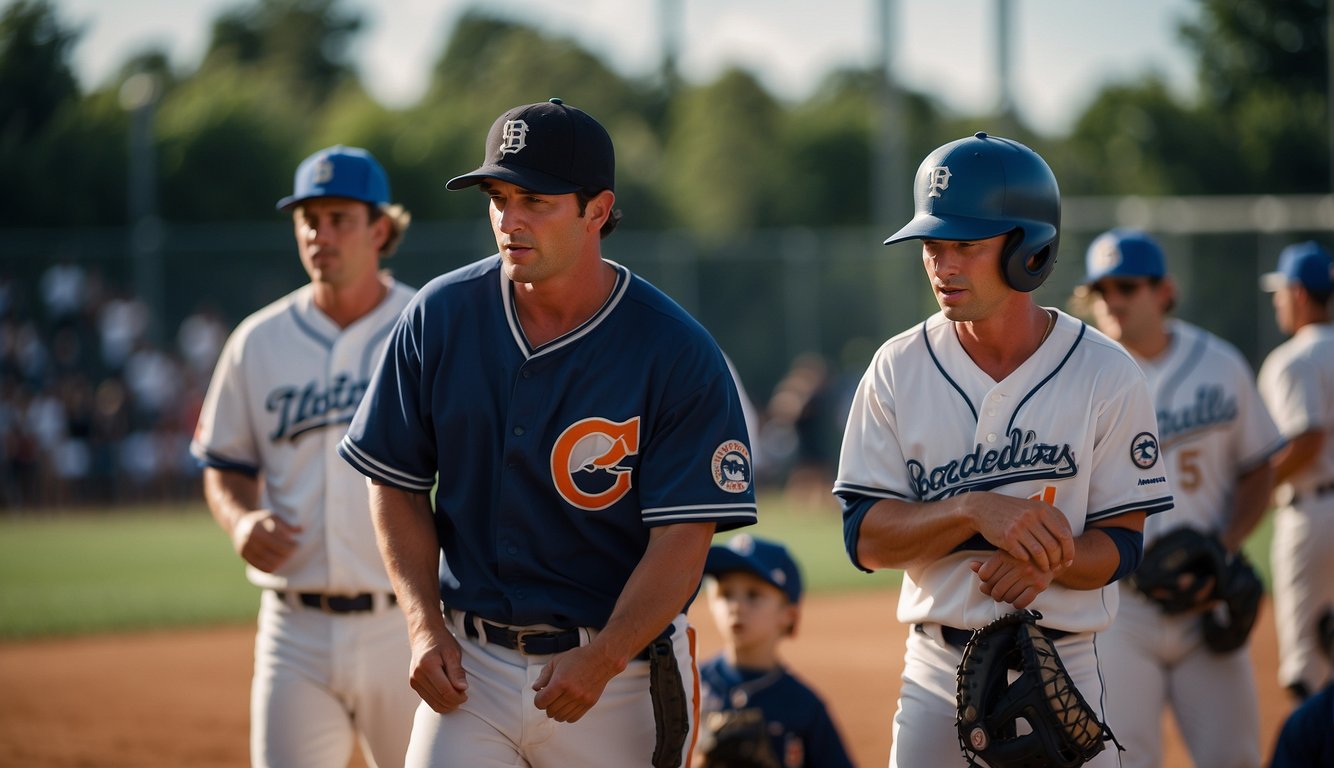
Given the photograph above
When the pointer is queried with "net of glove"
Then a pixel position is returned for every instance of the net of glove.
(1063, 731)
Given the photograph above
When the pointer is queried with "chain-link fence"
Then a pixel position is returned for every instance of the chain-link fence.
(107, 336)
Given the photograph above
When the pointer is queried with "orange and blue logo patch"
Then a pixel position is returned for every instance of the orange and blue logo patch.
(731, 466)
(588, 461)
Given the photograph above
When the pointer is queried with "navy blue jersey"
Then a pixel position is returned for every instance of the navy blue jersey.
(552, 462)
(800, 729)
(1307, 737)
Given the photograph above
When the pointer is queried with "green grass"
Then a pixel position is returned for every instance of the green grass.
(815, 539)
(130, 569)
(118, 569)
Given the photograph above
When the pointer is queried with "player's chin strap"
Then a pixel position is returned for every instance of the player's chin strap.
(671, 713)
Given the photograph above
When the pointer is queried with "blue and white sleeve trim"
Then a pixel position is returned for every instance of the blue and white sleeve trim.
(378, 470)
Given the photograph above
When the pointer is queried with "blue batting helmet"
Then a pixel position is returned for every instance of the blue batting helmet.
(983, 186)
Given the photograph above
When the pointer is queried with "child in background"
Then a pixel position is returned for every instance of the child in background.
(754, 591)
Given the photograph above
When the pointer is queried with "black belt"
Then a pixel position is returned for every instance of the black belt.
(337, 603)
(959, 638)
(1324, 489)
(533, 642)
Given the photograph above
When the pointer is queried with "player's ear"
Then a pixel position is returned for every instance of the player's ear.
(381, 230)
(599, 208)
(794, 618)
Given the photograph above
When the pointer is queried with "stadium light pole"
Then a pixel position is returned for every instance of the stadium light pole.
(138, 96)
(669, 22)
(1004, 87)
(889, 183)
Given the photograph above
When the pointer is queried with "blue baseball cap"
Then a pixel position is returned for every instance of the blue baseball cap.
(767, 560)
(1305, 263)
(1123, 253)
(339, 171)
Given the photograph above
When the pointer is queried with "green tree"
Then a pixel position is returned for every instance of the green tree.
(304, 44)
(228, 145)
(1260, 123)
(724, 160)
(38, 98)
(36, 80)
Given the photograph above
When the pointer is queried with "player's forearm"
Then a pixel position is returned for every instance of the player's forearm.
(405, 534)
(229, 495)
(1096, 555)
(658, 588)
(904, 534)
(1249, 503)
(1297, 454)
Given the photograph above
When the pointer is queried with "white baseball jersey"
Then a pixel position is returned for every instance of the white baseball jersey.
(1212, 426)
(1072, 425)
(1297, 383)
(282, 395)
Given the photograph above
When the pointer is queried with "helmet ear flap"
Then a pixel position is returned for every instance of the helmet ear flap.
(1023, 266)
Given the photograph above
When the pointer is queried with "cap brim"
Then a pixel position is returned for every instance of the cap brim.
(527, 178)
(723, 560)
(289, 202)
(1272, 282)
(927, 226)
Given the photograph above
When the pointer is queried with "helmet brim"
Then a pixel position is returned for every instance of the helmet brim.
(928, 226)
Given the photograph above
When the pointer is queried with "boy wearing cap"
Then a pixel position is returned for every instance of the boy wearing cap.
(754, 593)
(1216, 439)
(331, 644)
(587, 439)
(1297, 383)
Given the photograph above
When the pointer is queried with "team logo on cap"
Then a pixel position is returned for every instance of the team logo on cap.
(324, 169)
(938, 180)
(1144, 450)
(731, 466)
(513, 137)
(589, 461)
(1105, 257)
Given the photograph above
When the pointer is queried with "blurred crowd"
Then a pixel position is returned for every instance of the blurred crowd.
(97, 406)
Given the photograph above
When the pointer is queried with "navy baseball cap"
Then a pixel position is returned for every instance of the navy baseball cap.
(339, 171)
(1306, 263)
(1123, 253)
(549, 148)
(767, 560)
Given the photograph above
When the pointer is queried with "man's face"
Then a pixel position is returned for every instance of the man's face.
(966, 277)
(337, 242)
(1129, 309)
(541, 236)
(1285, 309)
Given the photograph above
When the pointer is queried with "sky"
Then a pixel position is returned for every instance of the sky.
(1063, 51)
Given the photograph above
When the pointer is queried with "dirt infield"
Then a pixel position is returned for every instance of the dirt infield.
(180, 698)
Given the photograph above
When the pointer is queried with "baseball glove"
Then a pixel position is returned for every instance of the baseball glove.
(1181, 570)
(1065, 731)
(1227, 626)
(736, 738)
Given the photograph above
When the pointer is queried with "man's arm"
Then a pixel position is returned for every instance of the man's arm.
(1007, 580)
(667, 575)
(405, 533)
(1249, 503)
(1299, 452)
(260, 537)
(905, 534)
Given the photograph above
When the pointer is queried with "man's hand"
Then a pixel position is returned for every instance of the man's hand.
(264, 540)
(437, 672)
(1029, 530)
(1007, 580)
(572, 682)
